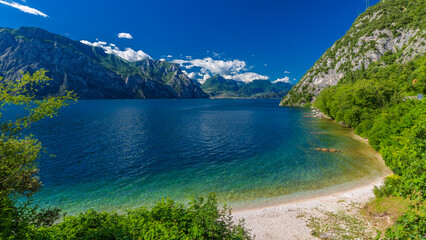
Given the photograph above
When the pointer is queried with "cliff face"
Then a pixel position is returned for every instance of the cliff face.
(87, 70)
(390, 27)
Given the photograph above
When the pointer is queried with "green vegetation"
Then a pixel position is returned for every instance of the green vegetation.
(369, 221)
(394, 16)
(340, 225)
(383, 211)
(19, 155)
(166, 220)
(22, 219)
(219, 86)
(374, 102)
(259, 88)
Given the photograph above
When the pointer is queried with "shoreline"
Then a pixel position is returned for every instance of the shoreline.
(288, 220)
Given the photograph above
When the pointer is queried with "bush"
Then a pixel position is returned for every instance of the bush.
(201, 219)
(411, 225)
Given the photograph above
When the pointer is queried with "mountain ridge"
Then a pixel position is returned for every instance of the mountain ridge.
(88, 70)
(219, 87)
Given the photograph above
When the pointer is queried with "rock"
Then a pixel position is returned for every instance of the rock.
(325, 235)
(327, 150)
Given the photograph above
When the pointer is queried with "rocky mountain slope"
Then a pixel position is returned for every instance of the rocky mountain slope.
(396, 27)
(219, 87)
(88, 70)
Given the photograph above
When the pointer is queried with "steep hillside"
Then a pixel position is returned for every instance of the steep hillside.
(217, 86)
(87, 70)
(396, 27)
(264, 89)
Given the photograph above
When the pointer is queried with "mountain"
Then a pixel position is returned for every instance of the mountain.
(219, 87)
(391, 27)
(264, 89)
(88, 70)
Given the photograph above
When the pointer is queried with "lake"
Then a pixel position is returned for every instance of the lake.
(121, 154)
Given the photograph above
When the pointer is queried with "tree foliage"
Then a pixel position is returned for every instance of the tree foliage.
(201, 219)
(21, 219)
(375, 103)
(19, 154)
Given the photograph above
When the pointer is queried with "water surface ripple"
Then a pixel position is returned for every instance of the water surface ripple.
(119, 154)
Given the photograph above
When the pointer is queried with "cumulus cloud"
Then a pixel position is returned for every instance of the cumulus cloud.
(191, 75)
(246, 77)
(169, 56)
(287, 72)
(125, 35)
(214, 66)
(205, 77)
(24, 8)
(284, 79)
(128, 54)
(231, 69)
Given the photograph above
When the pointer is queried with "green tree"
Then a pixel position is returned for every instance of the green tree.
(19, 153)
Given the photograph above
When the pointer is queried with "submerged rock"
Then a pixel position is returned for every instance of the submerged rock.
(327, 150)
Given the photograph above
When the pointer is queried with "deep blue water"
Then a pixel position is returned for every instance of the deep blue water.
(119, 154)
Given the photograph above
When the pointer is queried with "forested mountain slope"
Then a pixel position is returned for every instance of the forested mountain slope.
(389, 27)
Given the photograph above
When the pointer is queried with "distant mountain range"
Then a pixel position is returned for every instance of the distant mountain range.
(93, 74)
(219, 87)
(88, 70)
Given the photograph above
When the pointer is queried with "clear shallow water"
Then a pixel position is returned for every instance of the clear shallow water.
(120, 154)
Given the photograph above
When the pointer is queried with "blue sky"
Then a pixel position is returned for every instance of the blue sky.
(241, 40)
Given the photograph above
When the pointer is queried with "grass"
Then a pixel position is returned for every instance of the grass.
(383, 212)
(359, 222)
(340, 225)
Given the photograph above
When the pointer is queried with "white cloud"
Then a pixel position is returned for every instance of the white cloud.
(232, 69)
(205, 77)
(192, 75)
(24, 8)
(162, 59)
(128, 54)
(284, 79)
(246, 77)
(169, 56)
(125, 35)
(287, 72)
(214, 66)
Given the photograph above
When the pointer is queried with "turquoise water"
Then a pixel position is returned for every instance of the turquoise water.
(120, 154)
